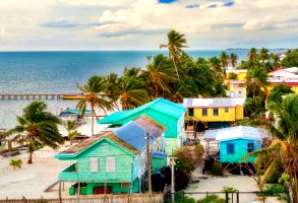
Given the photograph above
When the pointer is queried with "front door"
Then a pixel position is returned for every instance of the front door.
(101, 190)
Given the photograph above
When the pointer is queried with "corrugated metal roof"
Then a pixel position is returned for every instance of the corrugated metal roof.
(133, 135)
(75, 150)
(161, 105)
(212, 102)
(150, 125)
(238, 132)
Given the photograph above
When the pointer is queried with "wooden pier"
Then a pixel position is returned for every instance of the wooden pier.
(40, 96)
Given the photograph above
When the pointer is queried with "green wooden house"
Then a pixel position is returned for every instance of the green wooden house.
(167, 113)
(114, 161)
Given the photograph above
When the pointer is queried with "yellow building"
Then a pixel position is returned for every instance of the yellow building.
(236, 83)
(236, 89)
(215, 112)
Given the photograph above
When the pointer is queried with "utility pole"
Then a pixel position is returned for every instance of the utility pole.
(149, 165)
(172, 163)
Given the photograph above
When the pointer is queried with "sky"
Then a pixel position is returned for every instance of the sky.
(143, 24)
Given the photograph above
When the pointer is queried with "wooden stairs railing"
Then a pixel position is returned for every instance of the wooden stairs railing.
(50, 187)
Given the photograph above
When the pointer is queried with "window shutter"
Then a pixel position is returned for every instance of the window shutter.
(111, 165)
(94, 164)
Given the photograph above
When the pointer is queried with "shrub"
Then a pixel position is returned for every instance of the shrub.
(199, 152)
(184, 159)
(16, 163)
(185, 164)
(217, 169)
(211, 199)
(273, 190)
(182, 179)
(229, 189)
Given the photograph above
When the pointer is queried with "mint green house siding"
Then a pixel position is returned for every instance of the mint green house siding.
(102, 150)
(158, 163)
(240, 149)
(126, 169)
(114, 161)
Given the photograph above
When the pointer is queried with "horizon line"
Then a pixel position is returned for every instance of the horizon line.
(139, 50)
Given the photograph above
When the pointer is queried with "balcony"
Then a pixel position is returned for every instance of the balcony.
(69, 174)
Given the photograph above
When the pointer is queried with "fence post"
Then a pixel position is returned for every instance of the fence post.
(227, 197)
(237, 196)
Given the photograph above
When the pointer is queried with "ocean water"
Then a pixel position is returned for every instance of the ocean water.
(58, 72)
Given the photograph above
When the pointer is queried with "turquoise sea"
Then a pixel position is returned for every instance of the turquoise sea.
(53, 72)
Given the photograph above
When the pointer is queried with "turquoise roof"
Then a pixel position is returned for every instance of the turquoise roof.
(160, 105)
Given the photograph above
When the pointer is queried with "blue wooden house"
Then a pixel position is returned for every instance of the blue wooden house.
(165, 112)
(114, 161)
(235, 142)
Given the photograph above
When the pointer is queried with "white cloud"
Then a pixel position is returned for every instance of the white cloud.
(116, 24)
(2, 33)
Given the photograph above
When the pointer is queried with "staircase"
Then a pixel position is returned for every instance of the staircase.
(50, 187)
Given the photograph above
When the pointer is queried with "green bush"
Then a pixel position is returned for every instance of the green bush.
(273, 190)
(180, 198)
(229, 189)
(16, 163)
(217, 169)
(199, 151)
(211, 199)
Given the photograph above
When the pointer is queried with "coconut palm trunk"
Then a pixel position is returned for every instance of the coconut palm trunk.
(30, 158)
(92, 119)
(176, 69)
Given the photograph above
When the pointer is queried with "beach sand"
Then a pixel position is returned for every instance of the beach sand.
(31, 180)
(216, 184)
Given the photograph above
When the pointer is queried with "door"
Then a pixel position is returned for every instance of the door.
(100, 190)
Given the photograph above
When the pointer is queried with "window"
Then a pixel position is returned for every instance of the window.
(232, 94)
(191, 112)
(111, 165)
(226, 110)
(230, 148)
(205, 112)
(215, 112)
(239, 93)
(94, 164)
(250, 147)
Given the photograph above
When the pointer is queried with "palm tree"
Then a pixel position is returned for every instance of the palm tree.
(264, 54)
(16, 163)
(176, 41)
(94, 96)
(132, 72)
(132, 92)
(252, 55)
(233, 59)
(275, 95)
(112, 89)
(71, 127)
(256, 80)
(215, 66)
(224, 60)
(158, 76)
(38, 128)
(276, 61)
(284, 148)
